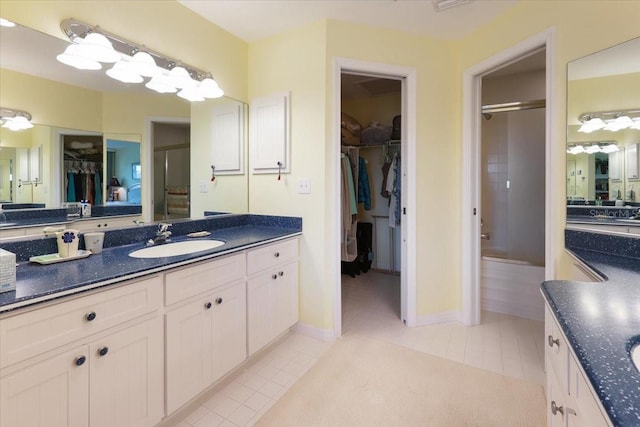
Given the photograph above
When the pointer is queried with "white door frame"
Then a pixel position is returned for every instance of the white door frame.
(471, 168)
(408, 77)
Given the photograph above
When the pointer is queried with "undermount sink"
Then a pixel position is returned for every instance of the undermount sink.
(635, 356)
(177, 248)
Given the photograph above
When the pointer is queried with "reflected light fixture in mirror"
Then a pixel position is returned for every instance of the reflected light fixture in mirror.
(592, 147)
(610, 120)
(15, 119)
(132, 62)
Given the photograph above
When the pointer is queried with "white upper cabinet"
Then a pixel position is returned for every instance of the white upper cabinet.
(269, 134)
(633, 161)
(227, 144)
(615, 167)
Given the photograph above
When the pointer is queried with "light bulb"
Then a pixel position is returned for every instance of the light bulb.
(17, 123)
(97, 47)
(180, 77)
(123, 72)
(210, 89)
(144, 64)
(161, 84)
(74, 57)
(191, 93)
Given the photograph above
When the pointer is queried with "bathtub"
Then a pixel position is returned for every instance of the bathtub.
(512, 287)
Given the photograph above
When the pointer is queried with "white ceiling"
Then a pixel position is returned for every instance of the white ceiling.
(252, 20)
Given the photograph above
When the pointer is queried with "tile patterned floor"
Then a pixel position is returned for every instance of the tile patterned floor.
(509, 345)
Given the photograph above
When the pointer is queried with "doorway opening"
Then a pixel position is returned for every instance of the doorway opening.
(371, 162)
(512, 190)
(379, 76)
(171, 170)
(477, 167)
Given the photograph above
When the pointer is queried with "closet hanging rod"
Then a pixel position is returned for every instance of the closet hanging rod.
(514, 106)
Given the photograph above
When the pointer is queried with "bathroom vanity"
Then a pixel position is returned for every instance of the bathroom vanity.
(591, 328)
(115, 340)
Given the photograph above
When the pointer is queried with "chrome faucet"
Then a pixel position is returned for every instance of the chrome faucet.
(162, 235)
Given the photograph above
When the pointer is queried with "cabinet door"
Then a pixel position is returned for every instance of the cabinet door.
(188, 349)
(615, 167)
(556, 401)
(229, 329)
(588, 413)
(127, 381)
(51, 393)
(284, 298)
(632, 161)
(227, 139)
(259, 311)
(269, 133)
(272, 300)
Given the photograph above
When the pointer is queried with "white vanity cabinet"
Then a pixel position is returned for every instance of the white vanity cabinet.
(205, 325)
(94, 360)
(570, 399)
(272, 292)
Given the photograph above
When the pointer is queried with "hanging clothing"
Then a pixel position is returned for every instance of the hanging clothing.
(364, 191)
(385, 172)
(391, 179)
(71, 187)
(98, 185)
(394, 189)
(349, 247)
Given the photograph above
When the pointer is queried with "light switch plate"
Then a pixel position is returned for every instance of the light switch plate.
(203, 186)
(304, 186)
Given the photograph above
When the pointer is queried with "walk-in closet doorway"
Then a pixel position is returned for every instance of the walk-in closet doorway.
(375, 229)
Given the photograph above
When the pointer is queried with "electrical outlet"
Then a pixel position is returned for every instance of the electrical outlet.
(203, 186)
(304, 186)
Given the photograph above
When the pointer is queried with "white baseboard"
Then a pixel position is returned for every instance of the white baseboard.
(442, 317)
(313, 332)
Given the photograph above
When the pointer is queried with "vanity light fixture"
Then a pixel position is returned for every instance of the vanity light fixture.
(610, 120)
(592, 147)
(92, 46)
(15, 119)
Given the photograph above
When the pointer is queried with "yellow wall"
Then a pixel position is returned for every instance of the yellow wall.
(276, 65)
(51, 103)
(296, 62)
(164, 26)
(581, 28)
(301, 61)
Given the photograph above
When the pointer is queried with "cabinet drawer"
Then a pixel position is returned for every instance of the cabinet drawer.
(556, 351)
(28, 334)
(205, 276)
(267, 256)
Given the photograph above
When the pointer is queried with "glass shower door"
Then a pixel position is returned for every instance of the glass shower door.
(172, 194)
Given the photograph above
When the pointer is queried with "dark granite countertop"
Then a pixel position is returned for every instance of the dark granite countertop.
(602, 324)
(37, 283)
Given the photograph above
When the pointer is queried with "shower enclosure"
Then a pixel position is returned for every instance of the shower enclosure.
(513, 210)
(171, 183)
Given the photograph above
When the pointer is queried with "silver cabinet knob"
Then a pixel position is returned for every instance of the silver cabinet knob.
(555, 408)
(551, 341)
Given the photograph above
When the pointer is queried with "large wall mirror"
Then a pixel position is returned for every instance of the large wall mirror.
(603, 131)
(90, 126)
